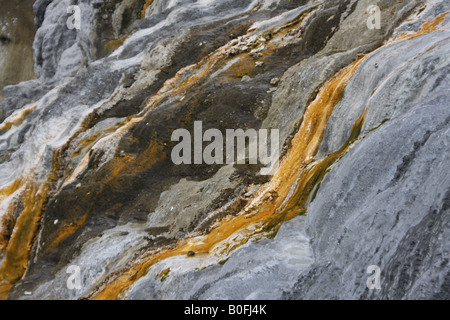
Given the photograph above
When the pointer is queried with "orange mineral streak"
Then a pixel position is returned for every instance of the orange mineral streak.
(67, 231)
(147, 4)
(10, 189)
(130, 164)
(427, 27)
(19, 246)
(280, 200)
(112, 45)
(190, 78)
(7, 221)
(30, 197)
(123, 165)
(17, 118)
(85, 144)
(275, 204)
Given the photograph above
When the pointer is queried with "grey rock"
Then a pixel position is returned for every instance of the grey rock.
(384, 204)
(109, 96)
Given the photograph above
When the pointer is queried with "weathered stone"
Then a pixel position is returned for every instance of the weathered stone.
(86, 175)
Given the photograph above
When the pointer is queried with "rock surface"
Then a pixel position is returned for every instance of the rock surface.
(87, 180)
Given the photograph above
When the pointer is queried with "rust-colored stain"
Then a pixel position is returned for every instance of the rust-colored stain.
(163, 275)
(17, 118)
(188, 77)
(144, 9)
(112, 45)
(8, 190)
(67, 231)
(427, 27)
(293, 183)
(7, 221)
(283, 198)
(86, 143)
(130, 164)
(33, 196)
(19, 246)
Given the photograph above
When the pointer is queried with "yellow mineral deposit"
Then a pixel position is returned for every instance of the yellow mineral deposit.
(147, 4)
(269, 211)
(8, 200)
(67, 231)
(19, 246)
(112, 45)
(283, 198)
(427, 27)
(17, 118)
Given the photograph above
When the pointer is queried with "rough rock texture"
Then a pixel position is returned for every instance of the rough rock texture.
(276, 264)
(361, 198)
(86, 176)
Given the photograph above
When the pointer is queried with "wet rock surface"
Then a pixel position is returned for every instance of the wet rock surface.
(86, 176)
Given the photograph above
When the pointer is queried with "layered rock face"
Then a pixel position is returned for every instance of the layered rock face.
(87, 180)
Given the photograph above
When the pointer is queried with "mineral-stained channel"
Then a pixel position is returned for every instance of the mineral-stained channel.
(87, 177)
